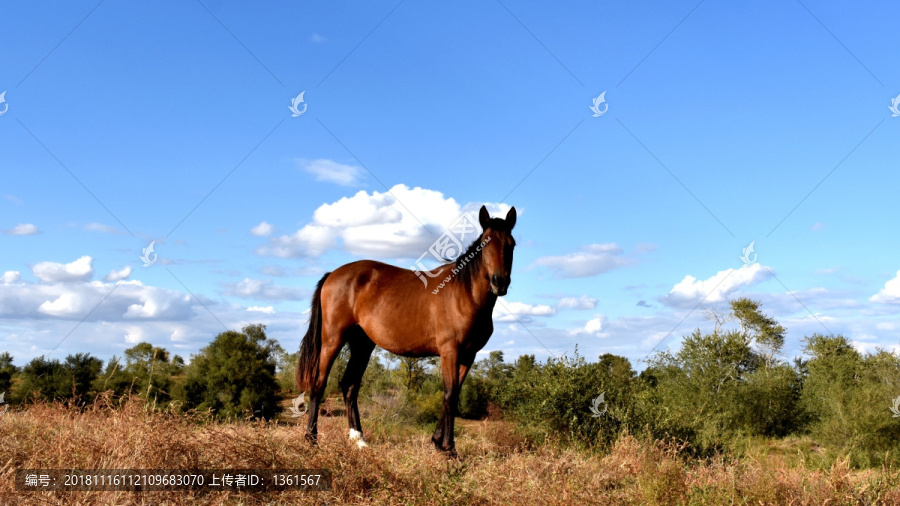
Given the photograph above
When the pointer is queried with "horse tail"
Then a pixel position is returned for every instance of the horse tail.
(311, 347)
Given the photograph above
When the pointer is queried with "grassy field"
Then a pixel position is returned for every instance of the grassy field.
(497, 465)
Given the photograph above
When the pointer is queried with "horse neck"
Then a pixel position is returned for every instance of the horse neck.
(479, 292)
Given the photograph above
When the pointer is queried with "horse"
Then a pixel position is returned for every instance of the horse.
(367, 303)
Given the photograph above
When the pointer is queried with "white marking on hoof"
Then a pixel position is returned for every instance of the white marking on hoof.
(357, 436)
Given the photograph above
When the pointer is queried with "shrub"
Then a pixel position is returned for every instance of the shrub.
(55, 380)
(234, 375)
(557, 397)
(848, 396)
(7, 371)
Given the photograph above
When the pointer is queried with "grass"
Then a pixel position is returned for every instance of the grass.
(498, 465)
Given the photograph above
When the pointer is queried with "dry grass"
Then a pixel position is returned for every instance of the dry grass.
(401, 467)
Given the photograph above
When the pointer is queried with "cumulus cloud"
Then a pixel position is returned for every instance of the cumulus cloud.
(133, 334)
(23, 229)
(583, 302)
(118, 275)
(10, 277)
(261, 309)
(262, 230)
(593, 327)
(377, 225)
(263, 290)
(592, 260)
(718, 288)
(52, 272)
(509, 311)
(890, 293)
(332, 172)
(94, 300)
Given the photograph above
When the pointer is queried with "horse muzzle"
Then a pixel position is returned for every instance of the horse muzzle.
(499, 285)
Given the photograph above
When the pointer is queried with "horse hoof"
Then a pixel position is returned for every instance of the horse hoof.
(312, 439)
(357, 436)
(449, 452)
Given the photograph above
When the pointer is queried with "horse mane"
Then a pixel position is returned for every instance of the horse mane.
(466, 270)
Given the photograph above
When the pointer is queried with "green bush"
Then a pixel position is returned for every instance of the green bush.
(54, 380)
(721, 386)
(234, 375)
(7, 371)
(146, 371)
(848, 397)
(557, 398)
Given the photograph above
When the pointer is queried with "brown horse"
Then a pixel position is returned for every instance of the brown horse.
(369, 303)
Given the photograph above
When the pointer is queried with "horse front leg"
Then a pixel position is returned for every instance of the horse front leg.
(443, 435)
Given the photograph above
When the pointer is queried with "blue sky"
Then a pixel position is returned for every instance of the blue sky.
(169, 122)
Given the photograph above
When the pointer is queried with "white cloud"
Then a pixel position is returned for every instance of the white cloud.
(379, 225)
(23, 229)
(890, 293)
(690, 290)
(874, 347)
(94, 300)
(10, 277)
(592, 260)
(129, 313)
(52, 272)
(583, 302)
(262, 230)
(133, 334)
(332, 172)
(264, 290)
(262, 309)
(593, 327)
(508, 311)
(118, 275)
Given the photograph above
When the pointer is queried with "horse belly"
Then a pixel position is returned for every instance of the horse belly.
(396, 323)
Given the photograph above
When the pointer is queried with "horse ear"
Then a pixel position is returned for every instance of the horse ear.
(483, 217)
(511, 218)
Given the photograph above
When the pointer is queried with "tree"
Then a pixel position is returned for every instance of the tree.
(848, 396)
(235, 374)
(287, 368)
(767, 333)
(483, 385)
(55, 380)
(725, 383)
(7, 371)
(146, 371)
(412, 372)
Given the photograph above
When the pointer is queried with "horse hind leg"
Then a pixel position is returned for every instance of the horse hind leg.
(331, 346)
(360, 352)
